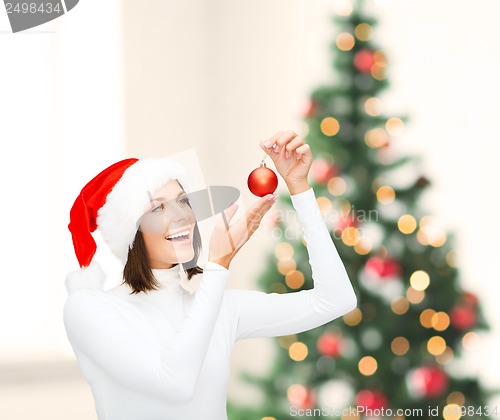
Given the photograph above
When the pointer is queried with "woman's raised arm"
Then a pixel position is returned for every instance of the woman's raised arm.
(262, 314)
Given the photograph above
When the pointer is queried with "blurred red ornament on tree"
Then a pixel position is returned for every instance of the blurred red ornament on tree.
(345, 220)
(382, 267)
(371, 399)
(301, 397)
(322, 170)
(330, 344)
(463, 317)
(470, 299)
(363, 60)
(309, 108)
(428, 381)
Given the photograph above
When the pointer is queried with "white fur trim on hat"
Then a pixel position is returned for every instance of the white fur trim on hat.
(91, 277)
(126, 203)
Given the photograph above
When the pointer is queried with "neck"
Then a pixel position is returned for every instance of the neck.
(168, 277)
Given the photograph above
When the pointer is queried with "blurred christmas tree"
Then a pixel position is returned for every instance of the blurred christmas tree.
(402, 347)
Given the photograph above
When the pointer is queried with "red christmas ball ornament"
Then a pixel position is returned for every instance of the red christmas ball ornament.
(262, 181)
(382, 267)
(345, 220)
(428, 381)
(330, 344)
(309, 400)
(463, 317)
(363, 60)
(371, 399)
(470, 299)
(301, 396)
(309, 108)
(322, 170)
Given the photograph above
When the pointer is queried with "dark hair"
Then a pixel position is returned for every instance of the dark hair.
(138, 274)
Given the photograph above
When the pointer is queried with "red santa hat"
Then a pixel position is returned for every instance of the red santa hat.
(113, 202)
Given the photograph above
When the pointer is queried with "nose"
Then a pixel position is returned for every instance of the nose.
(179, 214)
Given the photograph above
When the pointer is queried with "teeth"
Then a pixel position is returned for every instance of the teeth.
(185, 233)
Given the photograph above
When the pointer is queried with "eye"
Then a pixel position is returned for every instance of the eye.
(157, 209)
(184, 200)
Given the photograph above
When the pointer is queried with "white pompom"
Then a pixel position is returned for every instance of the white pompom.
(91, 277)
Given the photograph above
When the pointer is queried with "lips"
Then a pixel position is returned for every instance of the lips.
(179, 234)
(182, 237)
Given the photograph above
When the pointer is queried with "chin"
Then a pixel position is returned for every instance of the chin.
(186, 257)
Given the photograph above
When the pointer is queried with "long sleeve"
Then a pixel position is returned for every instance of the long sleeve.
(96, 328)
(271, 314)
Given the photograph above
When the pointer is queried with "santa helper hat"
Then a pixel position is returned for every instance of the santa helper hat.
(114, 201)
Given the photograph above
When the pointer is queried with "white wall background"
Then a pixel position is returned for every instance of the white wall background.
(68, 108)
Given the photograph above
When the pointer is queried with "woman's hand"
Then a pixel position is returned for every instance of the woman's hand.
(292, 158)
(227, 240)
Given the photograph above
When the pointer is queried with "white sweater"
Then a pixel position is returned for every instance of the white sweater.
(165, 354)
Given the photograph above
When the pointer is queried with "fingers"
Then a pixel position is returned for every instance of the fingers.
(269, 143)
(284, 139)
(227, 240)
(231, 211)
(258, 210)
(293, 146)
(304, 151)
(287, 141)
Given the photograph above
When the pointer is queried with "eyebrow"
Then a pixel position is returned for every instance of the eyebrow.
(163, 198)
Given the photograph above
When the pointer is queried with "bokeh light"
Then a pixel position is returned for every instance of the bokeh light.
(296, 394)
(419, 280)
(414, 296)
(336, 185)
(324, 204)
(440, 321)
(342, 7)
(407, 224)
(400, 346)
(430, 232)
(294, 279)
(452, 412)
(436, 345)
(329, 126)
(376, 137)
(363, 32)
(283, 250)
(345, 41)
(353, 318)
(470, 341)
(400, 305)
(364, 246)
(426, 317)
(395, 126)
(286, 264)
(445, 357)
(373, 106)
(277, 288)
(452, 258)
(367, 365)
(456, 397)
(298, 351)
(350, 236)
(385, 194)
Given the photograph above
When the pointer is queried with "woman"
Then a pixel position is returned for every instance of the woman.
(149, 349)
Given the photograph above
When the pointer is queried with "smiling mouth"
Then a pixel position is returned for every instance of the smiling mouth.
(183, 237)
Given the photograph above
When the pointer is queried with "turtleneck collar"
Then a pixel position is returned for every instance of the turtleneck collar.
(169, 278)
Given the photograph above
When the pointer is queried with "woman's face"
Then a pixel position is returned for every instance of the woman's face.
(169, 214)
